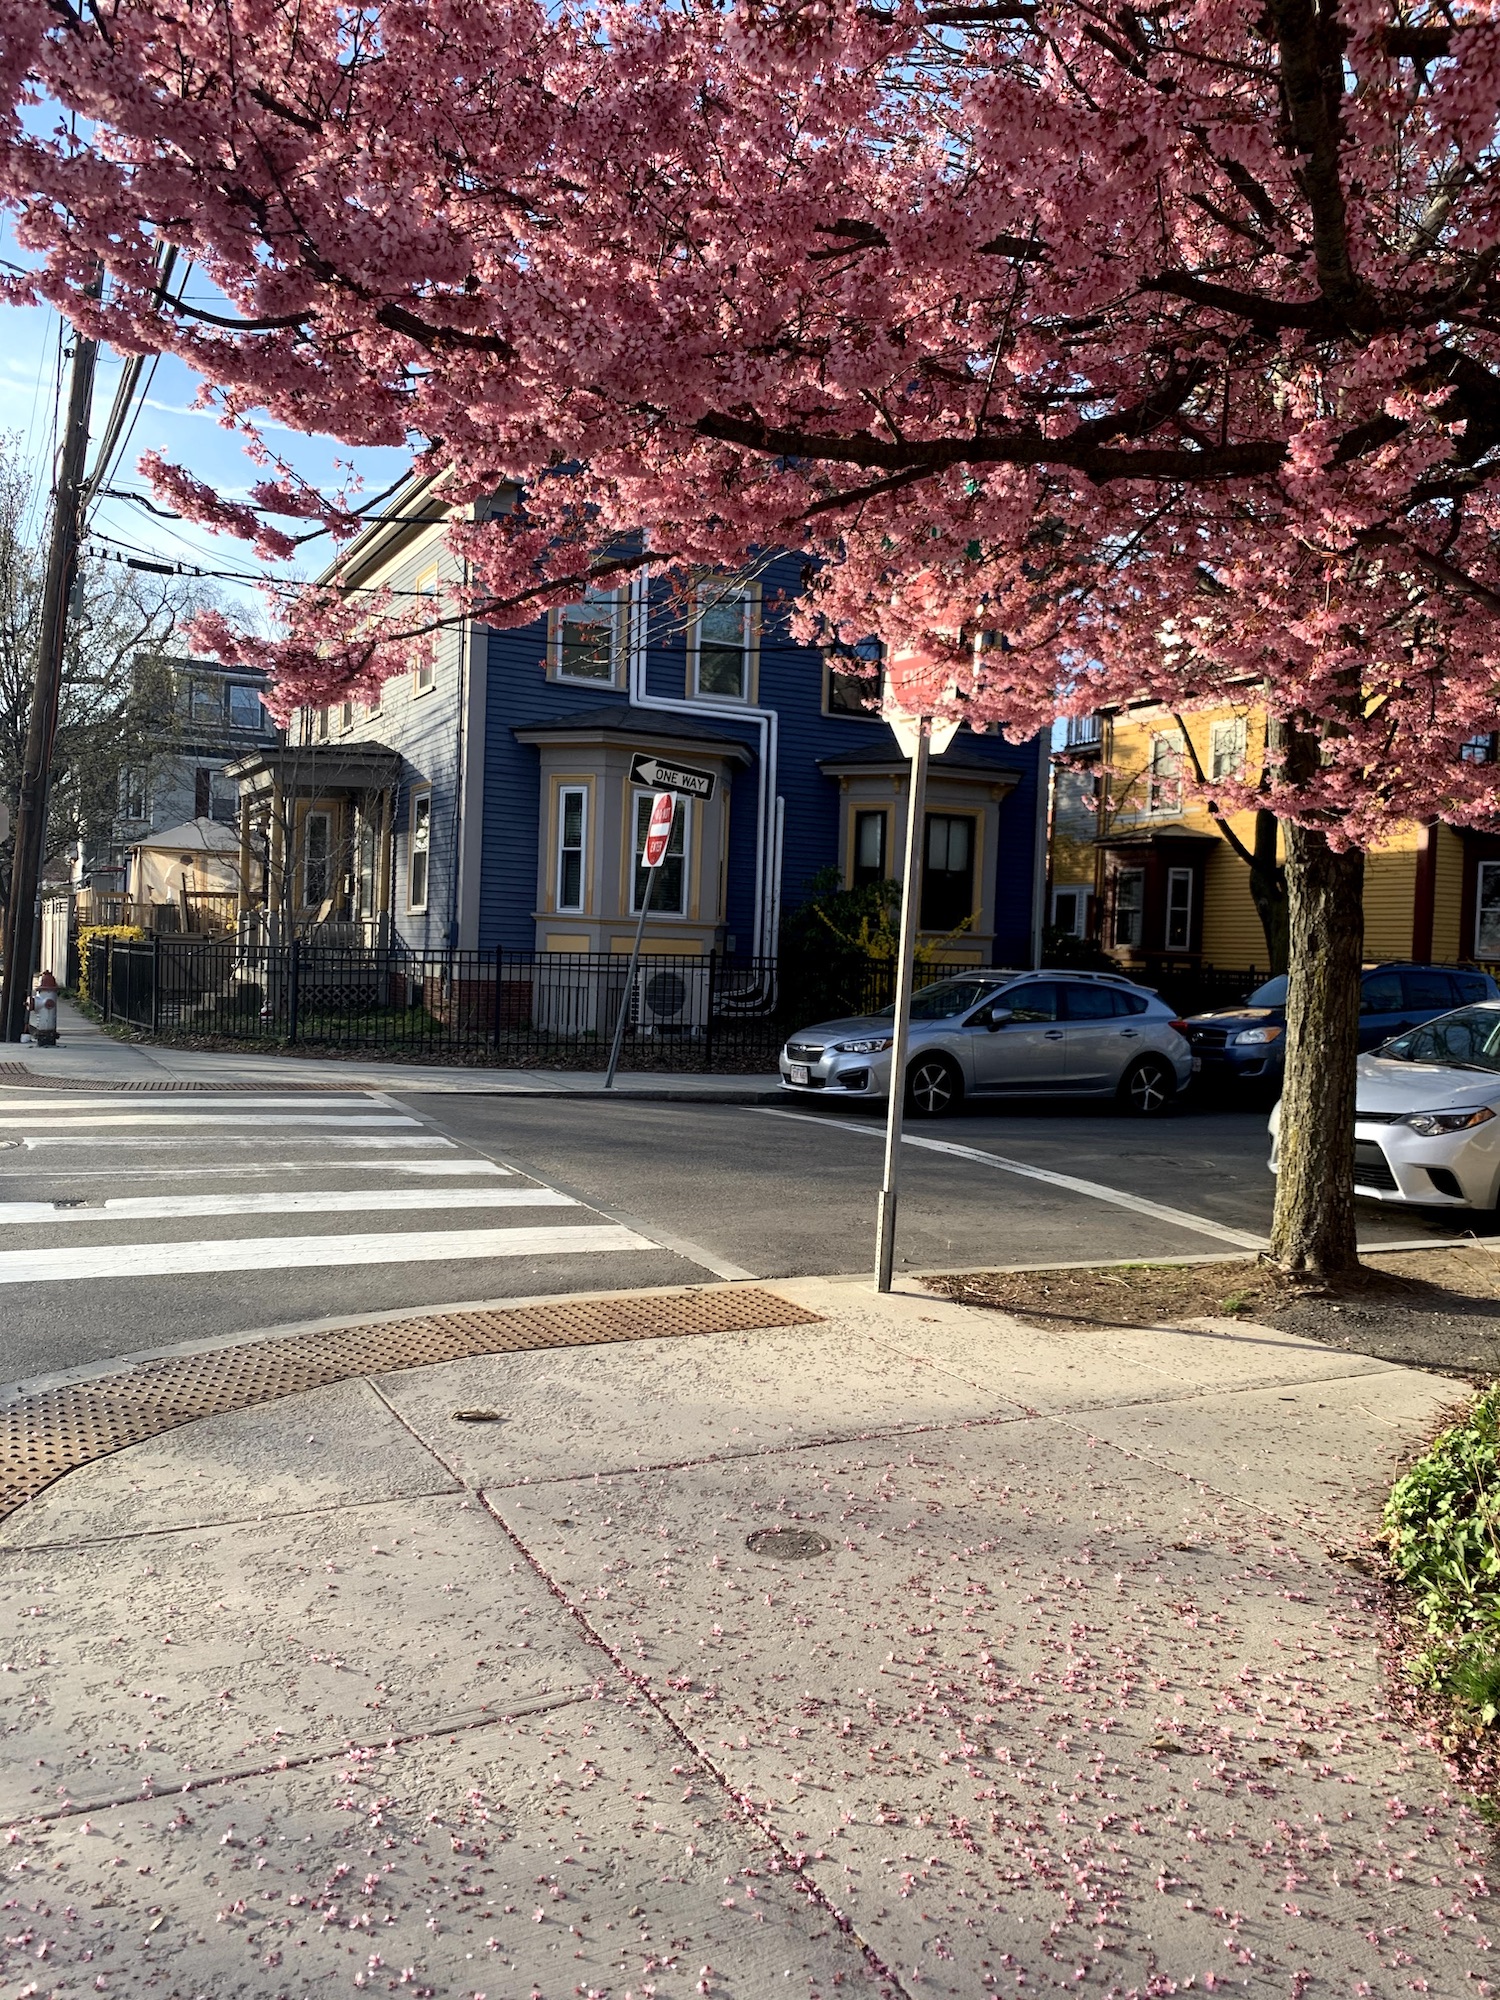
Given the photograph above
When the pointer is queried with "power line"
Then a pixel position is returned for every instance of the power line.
(117, 431)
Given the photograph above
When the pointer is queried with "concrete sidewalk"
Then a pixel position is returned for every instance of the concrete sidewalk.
(86, 1054)
(1062, 1688)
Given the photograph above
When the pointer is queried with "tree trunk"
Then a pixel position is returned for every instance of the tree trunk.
(1268, 888)
(1313, 1234)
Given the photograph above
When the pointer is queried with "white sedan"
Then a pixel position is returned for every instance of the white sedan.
(1427, 1114)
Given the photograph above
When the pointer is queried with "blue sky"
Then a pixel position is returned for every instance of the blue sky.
(166, 422)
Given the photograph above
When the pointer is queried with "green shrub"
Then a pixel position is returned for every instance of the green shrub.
(1442, 1528)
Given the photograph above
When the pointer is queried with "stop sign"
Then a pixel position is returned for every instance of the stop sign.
(659, 832)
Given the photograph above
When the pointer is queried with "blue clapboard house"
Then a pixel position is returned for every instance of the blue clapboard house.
(487, 800)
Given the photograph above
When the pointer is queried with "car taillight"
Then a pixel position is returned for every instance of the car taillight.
(1180, 1026)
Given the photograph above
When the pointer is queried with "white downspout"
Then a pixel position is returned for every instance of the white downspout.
(769, 809)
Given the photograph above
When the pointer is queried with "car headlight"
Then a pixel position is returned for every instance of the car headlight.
(1249, 1037)
(1430, 1123)
(869, 1048)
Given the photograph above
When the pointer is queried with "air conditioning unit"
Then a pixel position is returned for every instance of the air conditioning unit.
(671, 999)
(575, 996)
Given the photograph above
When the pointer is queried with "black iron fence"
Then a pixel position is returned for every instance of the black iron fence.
(1201, 988)
(513, 1009)
(530, 1010)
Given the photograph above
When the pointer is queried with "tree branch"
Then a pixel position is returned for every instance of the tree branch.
(1311, 41)
(1214, 810)
(1080, 451)
(1270, 315)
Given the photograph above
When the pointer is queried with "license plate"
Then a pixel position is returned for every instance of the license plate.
(1197, 1064)
(799, 1072)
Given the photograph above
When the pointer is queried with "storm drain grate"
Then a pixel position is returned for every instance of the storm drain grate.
(55, 1431)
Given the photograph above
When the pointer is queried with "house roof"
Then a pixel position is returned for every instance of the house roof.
(313, 767)
(885, 756)
(638, 725)
(206, 836)
(1148, 836)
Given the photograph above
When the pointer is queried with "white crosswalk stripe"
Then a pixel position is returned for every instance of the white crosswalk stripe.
(215, 1121)
(73, 1102)
(34, 1142)
(206, 1159)
(290, 1253)
(302, 1201)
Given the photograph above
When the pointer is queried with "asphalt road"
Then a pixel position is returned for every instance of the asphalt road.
(131, 1224)
(791, 1190)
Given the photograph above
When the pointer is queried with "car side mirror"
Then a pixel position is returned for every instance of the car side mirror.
(997, 1017)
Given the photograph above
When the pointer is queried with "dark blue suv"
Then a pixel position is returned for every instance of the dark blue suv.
(1247, 1044)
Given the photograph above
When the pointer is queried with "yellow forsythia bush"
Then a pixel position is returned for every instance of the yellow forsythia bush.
(87, 936)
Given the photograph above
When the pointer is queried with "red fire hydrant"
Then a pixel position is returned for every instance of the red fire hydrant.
(42, 1014)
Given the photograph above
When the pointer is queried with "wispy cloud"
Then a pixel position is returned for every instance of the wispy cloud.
(190, 410)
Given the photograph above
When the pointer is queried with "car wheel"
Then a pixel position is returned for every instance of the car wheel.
(934, 1087)
(1148, 1087)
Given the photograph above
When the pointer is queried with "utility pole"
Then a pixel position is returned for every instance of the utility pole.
(31, 802)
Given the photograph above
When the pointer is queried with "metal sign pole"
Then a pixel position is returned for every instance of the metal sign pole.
(911, 876)
(635, 955)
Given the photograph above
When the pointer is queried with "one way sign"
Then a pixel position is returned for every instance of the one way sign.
(657, 775)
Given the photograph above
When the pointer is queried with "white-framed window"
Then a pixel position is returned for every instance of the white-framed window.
(1166, 774)
(135, 797)
(669, 897)
(1130, 906)
(1226, 748)
(366, 849)
(1069, 910)
(317, 859)
(1179, 909)
(722, 644)
(586, 640)
(424, 674)
(346, 716)
(1487, 911)
(205, 699)
(871, 837)
(419, 851)
(244, 706)
(321, 731)
(948, 871)
(572, 846)
(846, 692)
(223, 799)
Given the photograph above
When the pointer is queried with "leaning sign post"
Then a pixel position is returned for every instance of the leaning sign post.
(918, 735)
(658, 836)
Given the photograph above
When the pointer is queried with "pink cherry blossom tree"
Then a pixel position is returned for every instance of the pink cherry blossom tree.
(1103, 350)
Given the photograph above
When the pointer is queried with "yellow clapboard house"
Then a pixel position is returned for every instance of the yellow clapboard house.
(1141, 865)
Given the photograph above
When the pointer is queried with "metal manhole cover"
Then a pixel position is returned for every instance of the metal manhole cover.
(788, 1545)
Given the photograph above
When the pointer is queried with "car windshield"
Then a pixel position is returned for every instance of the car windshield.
(1272, 994)
(1467, 1039)
(943, 1001)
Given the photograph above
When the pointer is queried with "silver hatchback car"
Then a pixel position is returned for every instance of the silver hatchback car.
(1006, 1034)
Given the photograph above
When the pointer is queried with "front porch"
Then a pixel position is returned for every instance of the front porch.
(317, 844)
